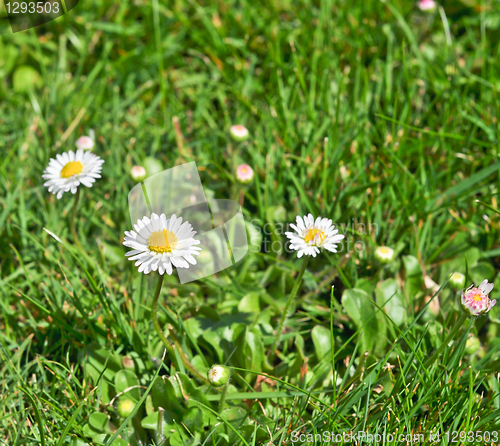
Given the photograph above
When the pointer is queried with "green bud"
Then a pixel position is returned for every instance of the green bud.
(457, 281)
(384, 254)
(125, 407)
(472, 345)
(218, 375)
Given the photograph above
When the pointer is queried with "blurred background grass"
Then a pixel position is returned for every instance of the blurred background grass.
(372, 113)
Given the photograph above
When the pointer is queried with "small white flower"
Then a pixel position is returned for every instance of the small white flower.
(244, 173)
(384, 254)
(68, 170)
(239, 132)
(138, 173)
(476, 301)
(159, 244)
(311, 235)
(85, 143)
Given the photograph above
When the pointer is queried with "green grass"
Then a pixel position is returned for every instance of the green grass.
(408, 102)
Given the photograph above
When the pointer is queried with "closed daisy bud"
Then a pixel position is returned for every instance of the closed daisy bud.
(475, 300)
(472, 345)
(457, 281)
(244, 173)
(85, 143)
(125, 407)
(427, 5)
(384, 254)
(218, 375)
(138, 173)
(239, 133)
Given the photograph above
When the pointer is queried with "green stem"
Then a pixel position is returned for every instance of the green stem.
(294, 292)
(72, 221)
(458, 325)
(223, 396)
(166, 343)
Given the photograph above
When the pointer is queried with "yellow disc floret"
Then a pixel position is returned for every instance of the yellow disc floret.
(315, 234)
(72, 168)
(478, 297)
(162, 241)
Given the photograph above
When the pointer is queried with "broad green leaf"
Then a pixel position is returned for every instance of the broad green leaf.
(164, 395)
(322, 340)
(250, 303)
(124, 380)
(482, 271)
(99, 422)
(395, 308)
(413, 276)
(357, 304)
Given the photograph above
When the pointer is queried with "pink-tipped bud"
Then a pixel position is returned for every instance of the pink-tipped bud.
(244, 173)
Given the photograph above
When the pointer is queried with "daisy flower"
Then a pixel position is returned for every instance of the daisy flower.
(244, 173)
(239, 132)
(475, 300)
(68, 170)
(310, 235)
(159, 244)
(85, 143)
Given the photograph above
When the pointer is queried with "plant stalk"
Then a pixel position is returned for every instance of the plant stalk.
(166, 343)
(294, 292)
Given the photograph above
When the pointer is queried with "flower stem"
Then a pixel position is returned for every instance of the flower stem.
(72, 227)
(166, 343)
(295, 289)
(223, 396)
(458, 325)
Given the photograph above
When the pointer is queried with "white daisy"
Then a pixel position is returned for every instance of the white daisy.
(311, 235)
(159, 244)
(68, 170)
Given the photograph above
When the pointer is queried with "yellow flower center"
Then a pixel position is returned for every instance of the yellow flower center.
(383, 250)
(162, 241)
(72, 168)
(478, 297)
(313, 233)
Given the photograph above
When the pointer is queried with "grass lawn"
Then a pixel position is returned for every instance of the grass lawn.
(377, 115)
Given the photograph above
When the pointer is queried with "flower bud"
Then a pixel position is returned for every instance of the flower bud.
(85, 143)
(125, 407)
(218, 375)
(239, 133)
(138, 173)
(457, 281)
(427, 5)
(384, 254)
(472, 345)
(244, 173)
